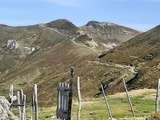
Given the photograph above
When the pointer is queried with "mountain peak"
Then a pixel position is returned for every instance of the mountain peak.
(61, 24)
(95, 23)
(61, 21)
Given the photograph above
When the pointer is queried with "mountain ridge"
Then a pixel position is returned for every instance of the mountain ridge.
(43, 53)
(142, 51)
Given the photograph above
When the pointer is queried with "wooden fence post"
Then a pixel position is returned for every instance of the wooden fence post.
(24, 107)
(79, 99)
(11, 93)
(157, 97)
(71, 92)
(62, 99)
(58, 100)
(35, 101)
(128, 97)
(107, 104)
(19, 102)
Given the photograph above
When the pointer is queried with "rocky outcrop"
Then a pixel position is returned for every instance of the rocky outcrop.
(5, 113)
(106, 35)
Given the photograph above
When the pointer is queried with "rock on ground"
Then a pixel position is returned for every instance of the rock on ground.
(5, 113)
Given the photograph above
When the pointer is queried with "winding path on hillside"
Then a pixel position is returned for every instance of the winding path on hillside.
(130, 69)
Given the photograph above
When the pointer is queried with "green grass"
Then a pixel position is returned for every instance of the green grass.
(96, 109)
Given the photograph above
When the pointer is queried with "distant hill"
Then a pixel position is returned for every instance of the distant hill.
(143, 52)
(107, 35)
(43, 53)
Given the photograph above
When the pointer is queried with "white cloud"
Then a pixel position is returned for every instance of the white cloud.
(72, 3)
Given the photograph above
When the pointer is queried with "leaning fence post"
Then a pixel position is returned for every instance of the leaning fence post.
(11, 93)
(79, 98)
(128, 97)
(107, 104)
(157, 97)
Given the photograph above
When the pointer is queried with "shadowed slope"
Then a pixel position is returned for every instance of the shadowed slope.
(143, 52)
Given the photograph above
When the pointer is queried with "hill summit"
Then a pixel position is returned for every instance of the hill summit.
(43, 53)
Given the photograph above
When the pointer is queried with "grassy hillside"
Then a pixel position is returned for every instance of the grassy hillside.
(95, 109)
(142, 52)
(44, 53)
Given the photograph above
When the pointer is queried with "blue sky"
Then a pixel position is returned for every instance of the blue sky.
(139, 14)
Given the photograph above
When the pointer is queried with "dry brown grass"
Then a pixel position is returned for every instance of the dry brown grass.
(155, 116)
